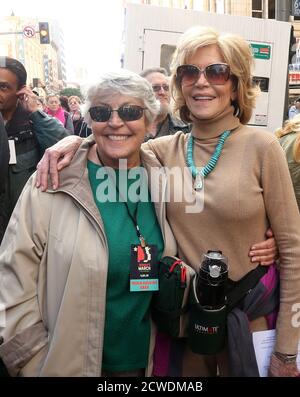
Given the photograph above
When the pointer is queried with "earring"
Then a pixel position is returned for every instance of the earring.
(236, 111)
(236, 108)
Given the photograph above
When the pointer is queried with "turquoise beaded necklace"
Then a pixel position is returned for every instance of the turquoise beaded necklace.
(197, 174)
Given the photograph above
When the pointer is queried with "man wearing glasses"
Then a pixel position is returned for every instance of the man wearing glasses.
(165, 123)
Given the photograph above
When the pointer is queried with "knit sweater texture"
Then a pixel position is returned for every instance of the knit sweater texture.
(249, 189)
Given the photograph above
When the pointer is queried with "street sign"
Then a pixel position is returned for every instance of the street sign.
(29, 31)
(296, 8)
(261, 51)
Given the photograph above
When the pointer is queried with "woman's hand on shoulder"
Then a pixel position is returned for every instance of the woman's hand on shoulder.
(55, 159)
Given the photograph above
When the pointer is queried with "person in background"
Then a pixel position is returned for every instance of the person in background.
(40, 100)
(165, 123)
(80, 126)
(75, 105)
(39, 89)
(29, 130)
(41, 103)
(289, 138)
(294, 109)
(240, 175)
(55, 109)
(64, 103)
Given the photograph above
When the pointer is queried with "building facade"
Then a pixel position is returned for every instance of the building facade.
(250, 8)
(254, 8)
(20, 39)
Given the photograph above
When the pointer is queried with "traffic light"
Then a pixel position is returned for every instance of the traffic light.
(44, 32)
(293, 47)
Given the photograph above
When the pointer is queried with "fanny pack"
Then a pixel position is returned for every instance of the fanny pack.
(170, 304)
(237, 290)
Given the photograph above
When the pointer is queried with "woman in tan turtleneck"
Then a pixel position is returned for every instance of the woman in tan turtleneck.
(246, 190)
(243, 187)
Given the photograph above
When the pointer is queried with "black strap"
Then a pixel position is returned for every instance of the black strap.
(66, 114)
(132, 217)
(172, 314)
(22, 136)
(238, 289)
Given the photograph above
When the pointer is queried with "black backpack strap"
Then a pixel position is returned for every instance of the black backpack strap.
(66, 114)
(238, 289)
(174, 314)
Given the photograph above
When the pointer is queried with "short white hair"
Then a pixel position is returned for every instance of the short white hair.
(123, 82)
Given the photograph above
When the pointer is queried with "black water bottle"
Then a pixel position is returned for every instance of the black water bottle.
(207, 320)
(212, 280)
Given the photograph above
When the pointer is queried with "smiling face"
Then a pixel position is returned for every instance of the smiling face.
(204, 100)
(117, 139)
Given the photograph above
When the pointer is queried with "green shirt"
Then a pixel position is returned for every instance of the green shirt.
(127, 323)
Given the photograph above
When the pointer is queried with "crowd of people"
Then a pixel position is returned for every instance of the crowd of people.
(77, 295)
(28, 130)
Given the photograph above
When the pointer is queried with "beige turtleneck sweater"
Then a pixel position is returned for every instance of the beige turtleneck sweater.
(249, 189)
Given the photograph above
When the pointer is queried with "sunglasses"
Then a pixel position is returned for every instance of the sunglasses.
(102, 113)
(215, 74)
(158, 87)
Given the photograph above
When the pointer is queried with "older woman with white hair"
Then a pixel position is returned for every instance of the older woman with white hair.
(242, 178)
(66, 266)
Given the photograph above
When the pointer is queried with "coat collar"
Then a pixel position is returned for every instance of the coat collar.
(74, 180)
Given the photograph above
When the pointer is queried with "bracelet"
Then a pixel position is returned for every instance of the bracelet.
(286, 358)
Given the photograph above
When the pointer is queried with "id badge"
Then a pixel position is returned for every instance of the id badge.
(12, 151)
(143, 268)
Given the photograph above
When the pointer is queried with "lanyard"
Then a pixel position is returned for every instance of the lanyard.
(132, 217)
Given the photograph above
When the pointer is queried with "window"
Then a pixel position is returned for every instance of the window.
(257, 9)
(166, 53)
(271, 9)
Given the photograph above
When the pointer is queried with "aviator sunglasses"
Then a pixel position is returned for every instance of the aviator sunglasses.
(215, 74)
(102, 113)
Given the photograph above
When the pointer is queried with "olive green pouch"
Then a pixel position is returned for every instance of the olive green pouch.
(170, 302)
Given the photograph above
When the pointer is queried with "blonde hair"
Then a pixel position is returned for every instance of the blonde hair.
(292, 126)
(75, 97)
(236, 53)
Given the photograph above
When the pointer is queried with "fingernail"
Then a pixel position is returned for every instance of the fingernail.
(37, 184)
(251, 253)
(254, 259)
(54, 186)
(253, 247)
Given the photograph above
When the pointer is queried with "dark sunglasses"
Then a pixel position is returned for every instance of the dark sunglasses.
(216, 74)
(103, 113)
(158, 87)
